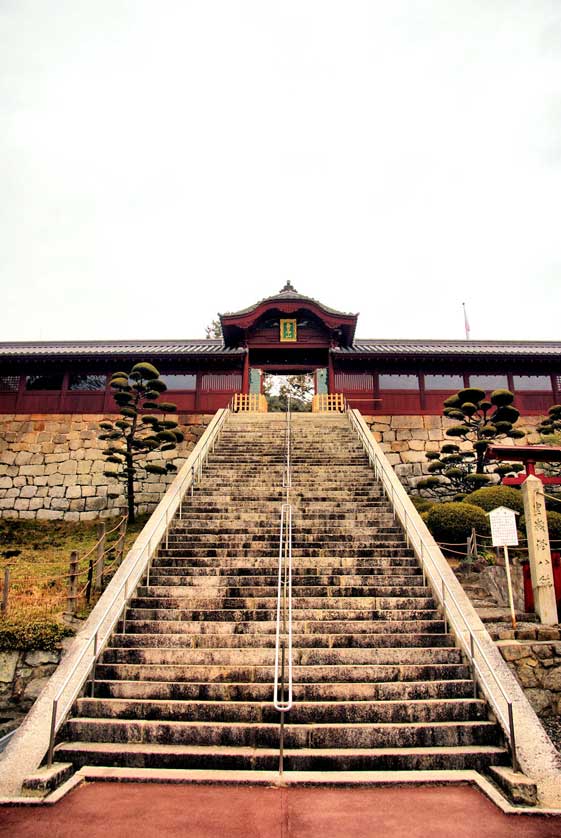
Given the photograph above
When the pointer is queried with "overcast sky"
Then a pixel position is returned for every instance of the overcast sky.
(162, 161)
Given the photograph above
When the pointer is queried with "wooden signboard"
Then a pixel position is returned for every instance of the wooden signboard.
(288, 331)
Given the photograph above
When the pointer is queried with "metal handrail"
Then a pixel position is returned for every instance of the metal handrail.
(283, 638)
(385, 474)
(125, 591)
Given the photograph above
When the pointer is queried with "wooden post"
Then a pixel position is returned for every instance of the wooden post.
(541, 569)
(5, 592)
(72, 583)
(100, 558)
(89, 583)
(509, 587)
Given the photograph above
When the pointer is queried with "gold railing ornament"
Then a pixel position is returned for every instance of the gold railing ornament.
(328, 403)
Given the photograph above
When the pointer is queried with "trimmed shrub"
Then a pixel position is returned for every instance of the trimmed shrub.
(37, 633)
(421, 504)
(452, 522)
(490, 497)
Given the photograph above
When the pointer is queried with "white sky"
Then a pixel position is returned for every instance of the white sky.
(162, 161)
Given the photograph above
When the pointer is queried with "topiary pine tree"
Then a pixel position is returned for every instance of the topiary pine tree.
(133, 437)
(482, 422)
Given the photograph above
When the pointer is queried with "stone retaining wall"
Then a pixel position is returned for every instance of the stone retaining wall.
(406, 439)
(24, 674)
(537, 666)
(51, 466)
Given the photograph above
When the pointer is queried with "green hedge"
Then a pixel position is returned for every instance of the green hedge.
(490, 497)
(452, 522)
(37, 633)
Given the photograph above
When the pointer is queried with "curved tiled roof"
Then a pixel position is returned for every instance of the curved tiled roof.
(288, 292)
(203, 346)
(450, 347)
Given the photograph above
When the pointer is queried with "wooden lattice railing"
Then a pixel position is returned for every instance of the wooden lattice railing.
(249, 403)
(328, 403)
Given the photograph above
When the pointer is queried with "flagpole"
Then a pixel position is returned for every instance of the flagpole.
(466, 323)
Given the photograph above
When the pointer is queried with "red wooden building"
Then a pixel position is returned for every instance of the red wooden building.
(285, 333)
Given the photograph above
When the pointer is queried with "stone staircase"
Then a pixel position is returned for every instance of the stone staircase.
(378, 684)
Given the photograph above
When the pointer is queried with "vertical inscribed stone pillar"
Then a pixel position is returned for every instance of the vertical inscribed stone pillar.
(539, 551)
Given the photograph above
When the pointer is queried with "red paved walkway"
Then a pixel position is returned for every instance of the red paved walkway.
(104, 810)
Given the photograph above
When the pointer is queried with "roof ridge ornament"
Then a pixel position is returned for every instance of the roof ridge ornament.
(288, 287)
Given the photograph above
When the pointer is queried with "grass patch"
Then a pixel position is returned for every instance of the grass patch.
(38, 555)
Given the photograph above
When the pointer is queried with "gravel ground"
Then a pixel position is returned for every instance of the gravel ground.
(552, 725)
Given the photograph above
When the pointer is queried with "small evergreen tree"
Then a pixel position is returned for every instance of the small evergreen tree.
(482, 422)
(134, 436)
(214, 329)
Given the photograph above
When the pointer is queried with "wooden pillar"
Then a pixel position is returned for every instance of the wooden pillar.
(541, 569)
(245, 374)
(330, 374)
(198, 385)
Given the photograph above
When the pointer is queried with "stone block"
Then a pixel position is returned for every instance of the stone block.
(28, 491)
(55, 479)
(21, 503)
(38, 657)
(96, 503)
(436, 435)
(393, 459)
(23, 458)
(57, 492)
(68, 467)
(71, 516)
(84, 466)
(8, 663)
(6, 483)
(60, 503)
(76, 505)
(8, 457)
(540, 700)
(26, 514)
(403, 435)
(432, 422)
(407, 422)
(35, 503)
(552, 679)
(413, 457)
(34, 687)
(399, 446)
(49, 515)
(19, 482)
(32, 471)
(388, 436)
(89, 516)
(417, 445)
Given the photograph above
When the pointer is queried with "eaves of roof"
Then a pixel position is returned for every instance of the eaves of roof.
(155, 348)
(450, 347)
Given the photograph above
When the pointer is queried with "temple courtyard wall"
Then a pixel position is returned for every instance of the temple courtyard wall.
(51, 466)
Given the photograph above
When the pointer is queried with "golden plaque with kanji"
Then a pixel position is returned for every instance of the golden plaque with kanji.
(288, 331)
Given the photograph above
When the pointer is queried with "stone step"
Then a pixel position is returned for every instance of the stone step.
(312, 691)
(215, 603)
(477, 758)
(301, 674)
(265, 657)
(262, 735)
(240, 615)
(351, 584)
(311, 627)
(231, 592)
(303, 712)
(311, 565)
(310, 551)
(299, 641)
